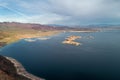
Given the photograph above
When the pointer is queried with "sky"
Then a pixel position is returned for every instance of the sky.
(62, 12)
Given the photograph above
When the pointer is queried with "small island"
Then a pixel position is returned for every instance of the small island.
(70, 40)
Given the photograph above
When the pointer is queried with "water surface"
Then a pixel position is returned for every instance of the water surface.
(95, 59)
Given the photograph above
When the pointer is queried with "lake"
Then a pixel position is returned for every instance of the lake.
(95, 59)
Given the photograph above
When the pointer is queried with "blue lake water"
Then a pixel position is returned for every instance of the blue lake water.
(95, 59)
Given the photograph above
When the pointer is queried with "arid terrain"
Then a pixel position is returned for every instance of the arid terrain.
(12, 32)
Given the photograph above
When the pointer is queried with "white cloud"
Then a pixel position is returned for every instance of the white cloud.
(45, 19)
(68, 11)
(85, 8)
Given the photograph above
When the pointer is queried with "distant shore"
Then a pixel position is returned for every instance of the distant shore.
(83, 31)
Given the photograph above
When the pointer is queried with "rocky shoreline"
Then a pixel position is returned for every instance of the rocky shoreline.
(21, 70)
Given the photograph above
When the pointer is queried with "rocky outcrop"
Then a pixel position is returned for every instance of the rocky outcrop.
(70, 40)
(21, 70)
(8, 71)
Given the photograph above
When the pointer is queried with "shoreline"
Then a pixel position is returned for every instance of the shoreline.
(82, 31)
(18, 36)
(21, 70)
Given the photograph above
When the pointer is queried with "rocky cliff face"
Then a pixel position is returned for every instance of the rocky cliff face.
(8, 70)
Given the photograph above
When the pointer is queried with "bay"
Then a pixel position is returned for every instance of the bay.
(96, 59)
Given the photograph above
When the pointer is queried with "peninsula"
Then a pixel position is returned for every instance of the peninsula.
(70, 40)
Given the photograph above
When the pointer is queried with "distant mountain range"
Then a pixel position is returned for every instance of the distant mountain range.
(34, 26)
(90, 26)
(55, 26)
(27, 26)
(15, 25)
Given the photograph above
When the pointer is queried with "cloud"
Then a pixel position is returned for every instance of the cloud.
(46, 18)
(86, 9)
(66, 11)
